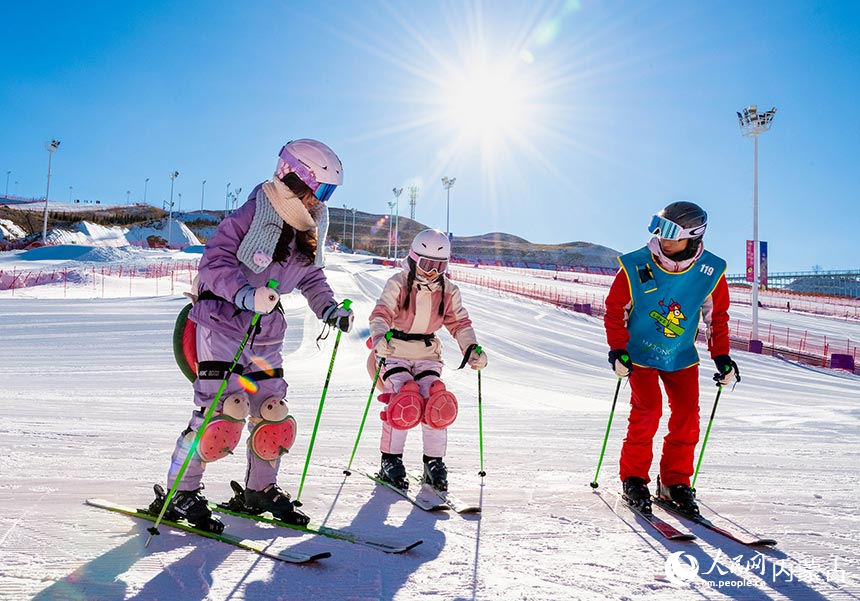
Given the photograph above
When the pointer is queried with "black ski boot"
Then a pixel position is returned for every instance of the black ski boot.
(393, 471)
(237, 501)
(435, 473)
(189, 505)
(276, 501)
(680, 495)
(636, 494)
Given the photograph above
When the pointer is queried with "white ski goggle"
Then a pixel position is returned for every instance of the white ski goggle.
(669, 230)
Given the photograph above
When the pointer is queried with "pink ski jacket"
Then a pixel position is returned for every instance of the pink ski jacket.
(421, 317)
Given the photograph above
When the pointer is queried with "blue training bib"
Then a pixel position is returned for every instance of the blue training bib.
(664, 318)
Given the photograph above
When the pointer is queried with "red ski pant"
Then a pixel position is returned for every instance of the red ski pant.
(646, 407)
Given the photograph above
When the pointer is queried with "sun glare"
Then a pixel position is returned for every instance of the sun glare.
(487, 102)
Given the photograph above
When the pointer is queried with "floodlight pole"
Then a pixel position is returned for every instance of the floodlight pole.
(390, 221)
(752, 123)
(448, 183)
(202, 194)
(353, 230)
(173, 177)
(397, 193)
(145, 185)
(50, 147)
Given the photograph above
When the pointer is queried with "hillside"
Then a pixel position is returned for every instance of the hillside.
(371, 232)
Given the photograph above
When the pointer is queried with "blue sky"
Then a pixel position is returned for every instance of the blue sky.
(562, 121)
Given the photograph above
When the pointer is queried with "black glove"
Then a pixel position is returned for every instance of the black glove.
(727, 370)
(620, 362)
(339, 317)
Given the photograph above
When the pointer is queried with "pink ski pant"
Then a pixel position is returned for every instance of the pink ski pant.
(393, 440)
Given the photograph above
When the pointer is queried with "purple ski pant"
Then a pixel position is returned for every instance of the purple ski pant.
(435, 441)
(214, 346)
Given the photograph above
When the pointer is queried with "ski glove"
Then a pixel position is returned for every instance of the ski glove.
(620, 362)
(477, 361)
(259, 300)
(727, 370)
(383, 348)
(339, 317)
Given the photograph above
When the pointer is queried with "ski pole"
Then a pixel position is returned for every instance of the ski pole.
(481, 473)
(364, 417)
(707, 433)
(606, 437)
(346, 304)
(273, 284)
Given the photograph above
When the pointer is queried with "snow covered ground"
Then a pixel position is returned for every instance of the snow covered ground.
(92, 403)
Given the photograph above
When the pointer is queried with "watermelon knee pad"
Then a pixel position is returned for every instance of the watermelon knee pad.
(440, 410)
(224, 430)
(405, 408)
(274, 432)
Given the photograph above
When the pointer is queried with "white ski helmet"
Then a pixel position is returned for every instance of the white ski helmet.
(431, 251)
(314, 163)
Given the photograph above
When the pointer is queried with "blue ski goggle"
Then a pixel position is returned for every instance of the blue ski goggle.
(324, 192)
(669, 230)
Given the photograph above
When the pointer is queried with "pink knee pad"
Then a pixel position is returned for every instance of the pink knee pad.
(441, 408)
(220, 437)
(224, 430)
(275, 431)
(405, 408)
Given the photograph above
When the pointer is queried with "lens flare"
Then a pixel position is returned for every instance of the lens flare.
(248, 385)
(263, 365)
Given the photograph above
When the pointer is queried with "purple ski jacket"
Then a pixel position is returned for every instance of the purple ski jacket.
(222, 274)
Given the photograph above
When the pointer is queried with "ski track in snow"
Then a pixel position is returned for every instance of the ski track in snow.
(92, 403)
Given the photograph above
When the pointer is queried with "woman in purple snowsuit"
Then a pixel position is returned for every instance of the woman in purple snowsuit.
(278, 234)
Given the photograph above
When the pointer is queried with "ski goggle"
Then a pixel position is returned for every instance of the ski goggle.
(287, 163)
(324, 192)
(428, 265)
(669, 230)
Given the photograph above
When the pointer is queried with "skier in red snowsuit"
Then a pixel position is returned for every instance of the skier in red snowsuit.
(651, 320)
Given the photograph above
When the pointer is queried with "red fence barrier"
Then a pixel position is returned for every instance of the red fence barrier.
(154, 273)
(798, 345)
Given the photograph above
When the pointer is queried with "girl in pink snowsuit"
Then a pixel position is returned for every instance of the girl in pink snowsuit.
(415, 303)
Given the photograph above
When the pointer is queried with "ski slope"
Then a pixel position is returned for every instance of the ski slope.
(92, 403)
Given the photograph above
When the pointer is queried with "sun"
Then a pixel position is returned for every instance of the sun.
(487, 101)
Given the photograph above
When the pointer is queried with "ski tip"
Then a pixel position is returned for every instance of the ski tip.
(323, 555)
(762, 542)
(682, 537)
(415, 544)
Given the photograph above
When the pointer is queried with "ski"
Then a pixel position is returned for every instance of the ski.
(425, 499)
(250, 545)
(453, 502)
(703, 521)
(664, 528)
(336, 533)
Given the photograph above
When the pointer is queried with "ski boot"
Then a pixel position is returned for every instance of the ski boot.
(435, 473)
(393, 471)
(189, 505)
(636, 494)
(679, 495)
(276, 501)
(237, 501)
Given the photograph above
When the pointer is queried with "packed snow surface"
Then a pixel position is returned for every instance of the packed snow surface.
(93, 402)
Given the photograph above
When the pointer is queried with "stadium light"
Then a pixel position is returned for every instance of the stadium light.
(753, 123)
(50, 147)
(397, 193)
(448, 183)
